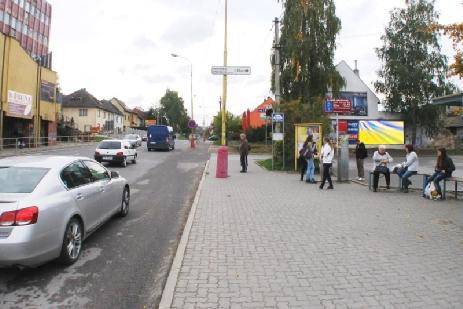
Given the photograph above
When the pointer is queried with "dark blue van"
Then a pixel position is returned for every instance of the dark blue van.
(160, 137)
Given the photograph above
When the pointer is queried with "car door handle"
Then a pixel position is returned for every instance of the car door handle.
(79, 196)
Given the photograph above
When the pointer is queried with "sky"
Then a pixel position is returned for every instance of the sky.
(121, 48)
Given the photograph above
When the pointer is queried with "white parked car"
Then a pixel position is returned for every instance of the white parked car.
(50, 204)
(134, 139)
(116, 151)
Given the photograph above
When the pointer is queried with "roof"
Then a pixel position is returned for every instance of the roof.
(110, 107)
(81, 98)
(43, 161)
(122, 104)
(449, 100)
(139, 113)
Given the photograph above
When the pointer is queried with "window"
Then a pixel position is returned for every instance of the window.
(13, 23)
(25, 29)
(104, 115)
(21, 3)
(97, 170)
(28, 7)
(99, 113)
(20, 179)
(110, 145)
(76, 175)
(1, 16)
(7, 19)
(83, 112)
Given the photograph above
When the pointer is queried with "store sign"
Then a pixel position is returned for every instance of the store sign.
(19, 104)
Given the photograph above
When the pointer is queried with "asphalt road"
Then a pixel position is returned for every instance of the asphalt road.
(124, 264)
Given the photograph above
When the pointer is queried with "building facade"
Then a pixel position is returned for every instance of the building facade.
(29, 95)
(89, 115)
(126, 112)
(28, 21)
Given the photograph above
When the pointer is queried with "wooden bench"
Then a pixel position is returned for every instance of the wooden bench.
(371, 175)
(456, 180)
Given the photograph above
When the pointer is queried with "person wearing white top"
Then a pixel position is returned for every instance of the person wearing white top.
(327, 155)
(382, 159)
(408, 168)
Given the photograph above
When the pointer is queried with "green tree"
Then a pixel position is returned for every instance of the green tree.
(173, 110)
(234, 127)
(308, 43)
(413, 69)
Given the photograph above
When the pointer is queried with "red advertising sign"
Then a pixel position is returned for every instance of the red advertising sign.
(342, 106)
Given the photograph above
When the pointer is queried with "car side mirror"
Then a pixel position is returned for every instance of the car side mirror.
(114, 175)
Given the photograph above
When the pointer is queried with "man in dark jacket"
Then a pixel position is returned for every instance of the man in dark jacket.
(360, 154)
(244, 151)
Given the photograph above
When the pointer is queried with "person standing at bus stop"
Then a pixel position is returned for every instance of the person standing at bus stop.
(326, 156)
(244, 151)
(361, 154)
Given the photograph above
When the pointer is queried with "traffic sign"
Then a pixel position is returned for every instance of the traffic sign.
(231, 70)
(278, 118)
(192, 124)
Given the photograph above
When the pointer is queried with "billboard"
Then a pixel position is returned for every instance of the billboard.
(348, 103)
(379, 132)
(19, 104)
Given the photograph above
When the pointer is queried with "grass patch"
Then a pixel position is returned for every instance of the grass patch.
(267, 164)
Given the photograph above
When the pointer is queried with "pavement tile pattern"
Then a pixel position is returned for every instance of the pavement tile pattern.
(267, 240)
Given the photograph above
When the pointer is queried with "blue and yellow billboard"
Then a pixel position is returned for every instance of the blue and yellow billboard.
(381, 132)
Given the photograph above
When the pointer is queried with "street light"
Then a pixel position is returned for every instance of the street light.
(191, 89)
(191, 79)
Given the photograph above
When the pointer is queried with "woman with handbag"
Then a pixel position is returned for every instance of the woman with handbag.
(444, 169)
(382, 159)
(302, 159)
(408, 168)
(326, 156)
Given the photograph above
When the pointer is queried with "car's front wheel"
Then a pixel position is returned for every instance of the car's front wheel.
(125, 203)
(134, 161)
(72, 242)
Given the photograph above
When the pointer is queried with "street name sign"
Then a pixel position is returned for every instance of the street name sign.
(230, 70)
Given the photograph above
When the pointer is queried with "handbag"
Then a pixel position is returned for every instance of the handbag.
(382, 169)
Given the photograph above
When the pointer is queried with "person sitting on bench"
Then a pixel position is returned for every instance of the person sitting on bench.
(382, 159)
(444, 169)
(408, 168)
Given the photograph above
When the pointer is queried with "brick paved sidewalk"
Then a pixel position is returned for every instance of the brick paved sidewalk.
(266, 240)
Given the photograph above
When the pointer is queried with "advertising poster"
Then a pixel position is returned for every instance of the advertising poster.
(348, 103)
(47, 91)
(302, 132)
(382, 132)
(353, 131)
(19, 104)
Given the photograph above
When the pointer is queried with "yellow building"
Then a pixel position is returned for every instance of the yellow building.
(91, 115)
(122, 107)
(28, 93)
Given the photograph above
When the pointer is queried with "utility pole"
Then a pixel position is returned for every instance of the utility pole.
(225, 81)
(276, 47)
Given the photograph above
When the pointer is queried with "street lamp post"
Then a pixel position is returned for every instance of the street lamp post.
(191, 92)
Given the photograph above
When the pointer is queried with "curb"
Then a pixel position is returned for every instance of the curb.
(42, 150)
(169, 289)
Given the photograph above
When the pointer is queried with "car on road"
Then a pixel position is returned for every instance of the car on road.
(160, 138)
(50, 204)
(134, 139)
(116, 151)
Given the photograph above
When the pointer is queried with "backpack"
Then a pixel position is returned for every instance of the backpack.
(310, 152)
(451, 165)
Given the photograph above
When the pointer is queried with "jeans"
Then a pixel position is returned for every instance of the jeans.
(360, 169)
(310, 171)
(326, 174)
(405, 175)
(376, 178)
(437, 177)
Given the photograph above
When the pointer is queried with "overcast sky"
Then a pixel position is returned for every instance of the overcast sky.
(121, 48)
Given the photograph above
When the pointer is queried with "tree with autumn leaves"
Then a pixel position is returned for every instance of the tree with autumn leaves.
(455, 32)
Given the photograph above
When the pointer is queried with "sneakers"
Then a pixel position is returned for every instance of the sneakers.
(330, 188)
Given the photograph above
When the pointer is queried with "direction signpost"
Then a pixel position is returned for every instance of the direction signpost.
(231, 70)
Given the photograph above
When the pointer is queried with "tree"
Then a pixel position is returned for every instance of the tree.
(413, 69)
(233, 126)
(173, 109)
(455, 32)
(308, 43)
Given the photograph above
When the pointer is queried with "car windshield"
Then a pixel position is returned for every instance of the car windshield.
(130, 137)
(20, 179)
(110, 145)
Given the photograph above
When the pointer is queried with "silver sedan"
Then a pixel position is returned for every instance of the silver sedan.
(50, 204)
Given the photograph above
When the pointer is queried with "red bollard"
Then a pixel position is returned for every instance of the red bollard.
(192, 143)
(222, 162)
